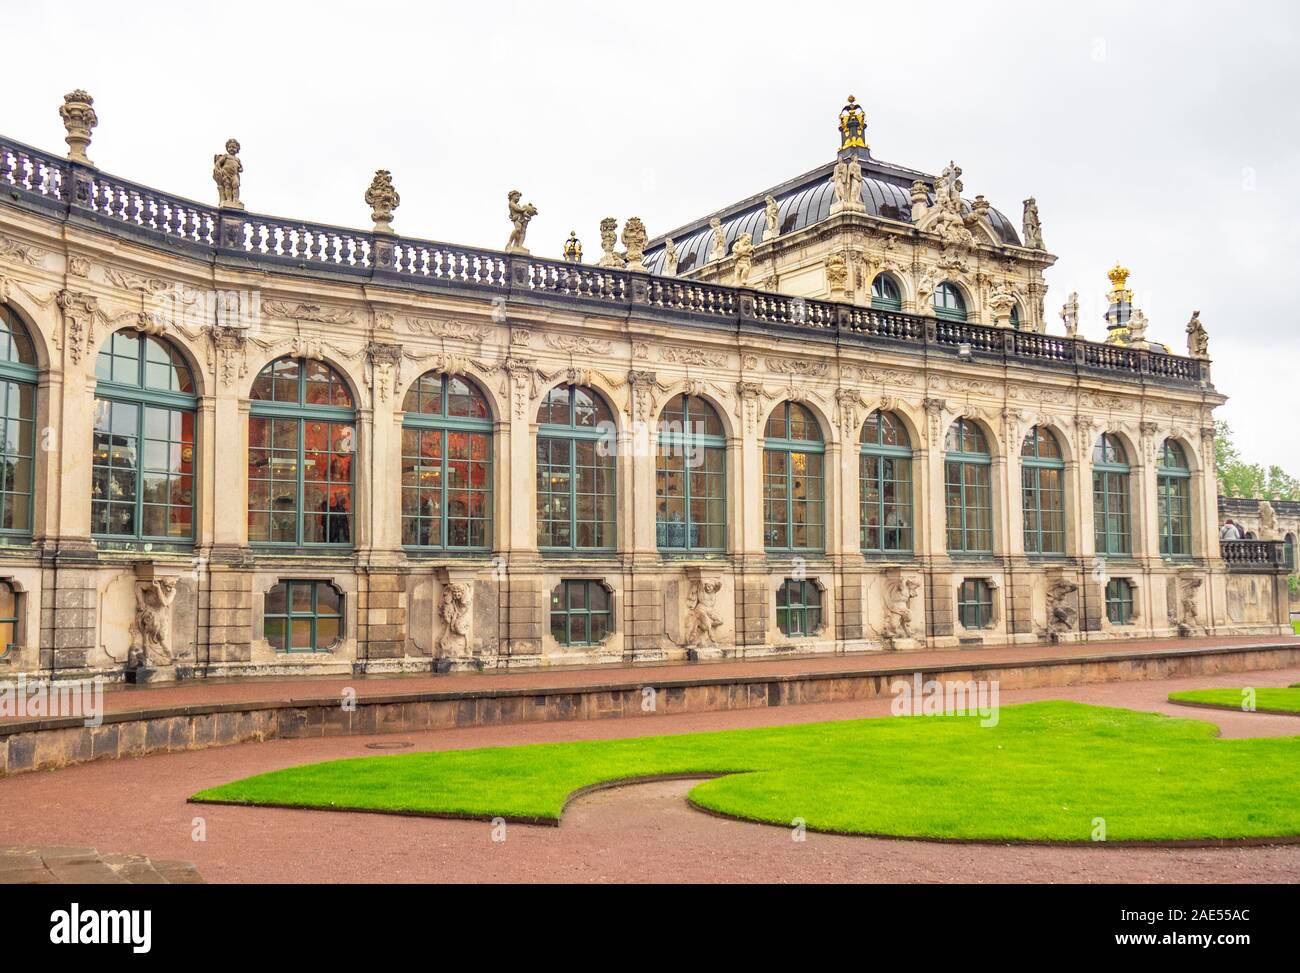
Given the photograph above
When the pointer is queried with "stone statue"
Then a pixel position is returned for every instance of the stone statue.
(948, 188)
(771, 214)
(382, 199)
(898, 608)
(743, 251)
(1033, 229)
(1061, 610)
(1070, 315)
(702, 619)
(1198, 340)
(1189, 619)
(670, 258)
(846, 180)
(226, 169)
(719, 249)
(79, 119)
(608, 241)
(454, 608)
(1137, 328)
(151, 630)
(573, 248)
(634, 238)
(854, 200)
(1268, 529)
(520, 216)
(1001, 301)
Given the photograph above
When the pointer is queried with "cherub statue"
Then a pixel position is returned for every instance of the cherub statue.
(226, 169)
(520, 217)
(743, 251)
(1137, 328)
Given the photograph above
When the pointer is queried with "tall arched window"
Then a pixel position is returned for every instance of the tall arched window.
(142, 470)
(1043, 485)
(1288, 552)
(968, 489)
(1174, 501)
(690, 477)
(1110, 496)
(948, 302)
(446, 464)
(794, 514)
(1015, 316)
(576, 491)
(885, 295)
(301, 451)
(885, 484)
(18, 411)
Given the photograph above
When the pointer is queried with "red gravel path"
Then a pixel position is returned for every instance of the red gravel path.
(635, 834)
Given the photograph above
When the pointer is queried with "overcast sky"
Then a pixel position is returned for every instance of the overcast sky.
(1163, 135)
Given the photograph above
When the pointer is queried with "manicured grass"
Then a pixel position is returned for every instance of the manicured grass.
(1274, 700)
(1044, 773)
(1295, 625)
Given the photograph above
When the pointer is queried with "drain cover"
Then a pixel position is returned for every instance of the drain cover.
(394, 745)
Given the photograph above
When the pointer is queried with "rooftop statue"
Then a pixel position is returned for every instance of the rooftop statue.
(719, 248)
(1070, 315)
(1033, 230)
(608, 241)
(520, 217)
(743, 251)
(382, 199)
(1198, 339)
(226, 169)
(772, 217)
(670, 258)
(634, 238)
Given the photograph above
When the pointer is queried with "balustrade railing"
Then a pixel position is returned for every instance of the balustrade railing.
(49, 182)
(1254, 554)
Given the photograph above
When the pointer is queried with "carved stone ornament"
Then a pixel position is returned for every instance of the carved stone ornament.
(634, 238)
(1062, 607)
(151, 628)
(900, 593)
(79, 119)
(702, 619)
(455, 609)
(382, 199)
(610, 257)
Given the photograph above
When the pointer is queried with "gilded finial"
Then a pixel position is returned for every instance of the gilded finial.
(573, 248)
(1119, 276)
(853, 125)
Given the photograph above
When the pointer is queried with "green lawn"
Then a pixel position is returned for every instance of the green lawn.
(1043, 773)
(1274, 700)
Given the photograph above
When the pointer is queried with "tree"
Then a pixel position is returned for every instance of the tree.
(1237, 478)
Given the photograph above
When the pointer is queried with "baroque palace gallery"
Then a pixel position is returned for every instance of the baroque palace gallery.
(828, 418)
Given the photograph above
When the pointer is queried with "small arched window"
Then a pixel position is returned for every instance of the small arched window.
(576, 490)
(885, 295)
(301, 453)
(143, 460)
(446, 464)
(1110, 497)
(794, 507)
(975, 604)
(885, 484)
(1043, 488)
(1119, 601)
(9, 631)
(690, 477)
(303, 616)
(18, 375)
(1174, 501)
(948, 302)
(1015, 316)
(968, 489)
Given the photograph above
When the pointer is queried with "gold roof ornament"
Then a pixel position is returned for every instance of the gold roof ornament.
(853, 125)
(1118, 275)
(573, 248)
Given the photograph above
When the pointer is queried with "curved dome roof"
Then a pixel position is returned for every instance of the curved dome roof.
(886, 193)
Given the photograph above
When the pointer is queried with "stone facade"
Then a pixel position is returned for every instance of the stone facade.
(84, 256)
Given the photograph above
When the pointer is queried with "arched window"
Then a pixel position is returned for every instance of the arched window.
(142, 470)
(9, 631)
(1110, 496)
(18, 410)
(581, 613)
(446, 464)
(948, 302)
(1043, 485)
(1288, 552)
(975, 604)
(301, 451)
(885, 484)
(885, 295)
(799, 607)
(576, 491)
(968, 489)
(794, 515)
(1119, 601)
(690, 477)
(1174, 501)
(1015, 316)
(303, 616)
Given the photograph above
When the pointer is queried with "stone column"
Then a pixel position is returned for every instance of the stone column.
(940, 609)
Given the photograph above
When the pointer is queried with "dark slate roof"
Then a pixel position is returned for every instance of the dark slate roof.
(802, 202)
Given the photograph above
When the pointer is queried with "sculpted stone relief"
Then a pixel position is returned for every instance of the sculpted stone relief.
(291, 311)
(449, 328)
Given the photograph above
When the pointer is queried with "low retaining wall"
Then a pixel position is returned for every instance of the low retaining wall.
(47, 744)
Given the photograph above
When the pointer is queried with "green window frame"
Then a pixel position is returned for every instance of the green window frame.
(301, 457)
(1288, 552)
(582, 612)
(794, 488)
(303, 616)
(975, 604)
(885, 293)
(8, 618)
(1015, 316)
(690, 478)
(577, 489)
(968, 489)
(1174, 501)
(1111, 500)
(145, 442)
(18, 378)
(884, 485)
(1119, 601)
(1042, 476)
(799, 607)
(948, 302)
(446, 465)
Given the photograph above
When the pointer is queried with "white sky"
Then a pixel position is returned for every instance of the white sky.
(1160, 134)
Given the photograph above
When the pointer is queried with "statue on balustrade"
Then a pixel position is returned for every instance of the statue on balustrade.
(1198, 339)
(1033, 229)
(226, 169)
(1070, 315)
(520, 215)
